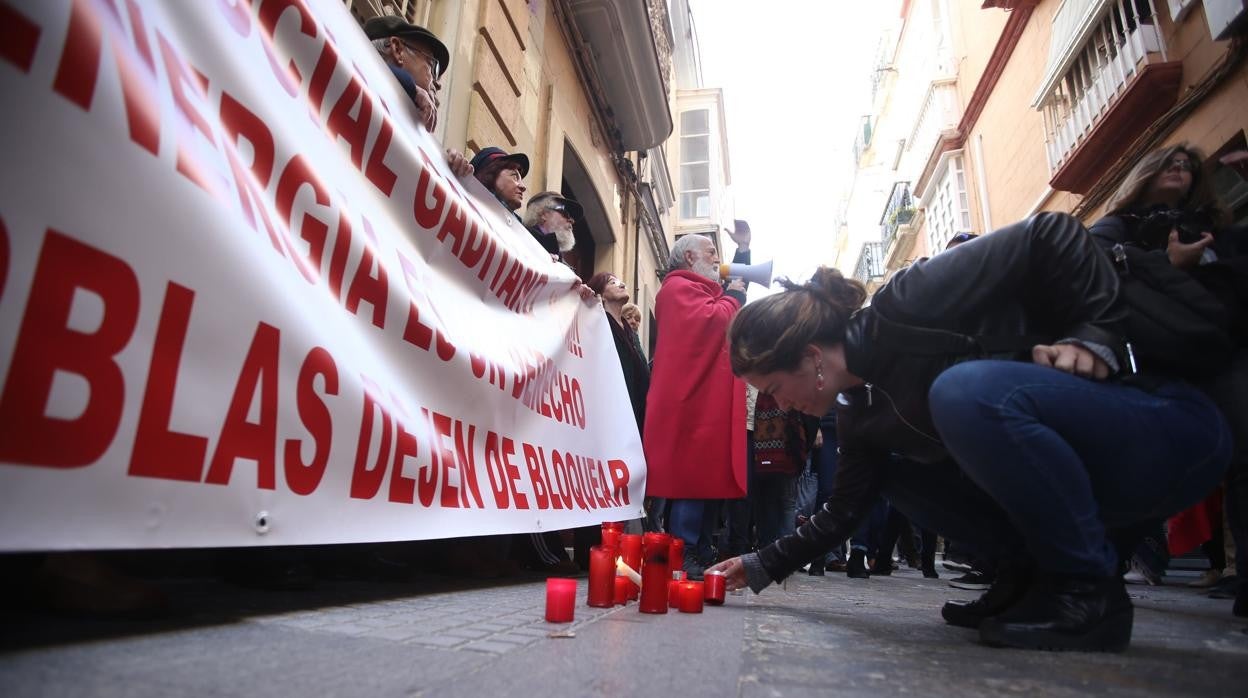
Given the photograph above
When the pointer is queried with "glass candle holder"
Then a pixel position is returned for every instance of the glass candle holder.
(713, 586)
(622, 589)
(560, 599)
(654, 573)
(601, 576)
(690, 597)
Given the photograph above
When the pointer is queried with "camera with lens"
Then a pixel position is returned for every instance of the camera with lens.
(1154, 229)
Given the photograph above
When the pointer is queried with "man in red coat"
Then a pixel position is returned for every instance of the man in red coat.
(694, 436)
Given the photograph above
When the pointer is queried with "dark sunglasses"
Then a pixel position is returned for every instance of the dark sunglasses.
(963, 237)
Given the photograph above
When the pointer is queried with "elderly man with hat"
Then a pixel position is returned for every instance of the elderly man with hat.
(550, 217)
(417, 58)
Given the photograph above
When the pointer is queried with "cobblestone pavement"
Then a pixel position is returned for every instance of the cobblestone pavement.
(439, 637)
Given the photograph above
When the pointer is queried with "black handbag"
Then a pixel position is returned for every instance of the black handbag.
(1176, 327)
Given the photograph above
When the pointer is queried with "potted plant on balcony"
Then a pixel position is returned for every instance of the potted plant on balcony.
(901, 216)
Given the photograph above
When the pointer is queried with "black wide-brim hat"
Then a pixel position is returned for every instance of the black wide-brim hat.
(488, 155)
(571, 207)
(386, 26)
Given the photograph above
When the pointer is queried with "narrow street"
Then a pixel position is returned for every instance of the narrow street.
(439, 637)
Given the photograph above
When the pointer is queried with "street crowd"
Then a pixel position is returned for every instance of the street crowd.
(1058, 408)
(1062, 405)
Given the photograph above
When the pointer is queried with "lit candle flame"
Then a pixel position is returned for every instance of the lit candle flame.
(622, 569)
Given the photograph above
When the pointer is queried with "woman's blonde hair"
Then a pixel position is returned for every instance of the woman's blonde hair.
(1130, 193)
(772, 333)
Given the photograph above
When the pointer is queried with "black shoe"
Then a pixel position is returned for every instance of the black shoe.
(1011, 584)
(930, 573)
(973, 580)
(856, 568)
(694, 570)
(1225, 588)
(1062, 613)
(1240, 609)
(883, 566)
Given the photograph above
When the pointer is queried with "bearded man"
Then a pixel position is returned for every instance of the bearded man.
(550, 217)
(694, 437)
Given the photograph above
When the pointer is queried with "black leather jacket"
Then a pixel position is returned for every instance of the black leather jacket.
(1042, 280)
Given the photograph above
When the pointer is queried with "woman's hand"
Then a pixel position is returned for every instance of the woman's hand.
(460, 166)
(588, 297)
(1070, 358)
(734, 573)
(1185, 255)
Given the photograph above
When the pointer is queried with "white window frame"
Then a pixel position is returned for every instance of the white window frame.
(685, 189)
(947, 202)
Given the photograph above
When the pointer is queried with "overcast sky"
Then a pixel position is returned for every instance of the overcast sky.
(796, 81)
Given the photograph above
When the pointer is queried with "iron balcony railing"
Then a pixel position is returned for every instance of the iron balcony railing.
(898, 211)
(871, 262)
(1114, 53)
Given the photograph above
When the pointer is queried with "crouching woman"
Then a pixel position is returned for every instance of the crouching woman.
(993, 369)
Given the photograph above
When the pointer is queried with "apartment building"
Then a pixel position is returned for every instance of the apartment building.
(605, 96)
(989, 111)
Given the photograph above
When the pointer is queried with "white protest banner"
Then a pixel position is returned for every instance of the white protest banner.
(244, 302)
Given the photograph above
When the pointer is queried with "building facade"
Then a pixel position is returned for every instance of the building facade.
(990, 111)
(605, 98)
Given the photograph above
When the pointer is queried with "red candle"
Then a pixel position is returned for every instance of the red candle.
(673, 588)
(601, 576)
(690, 597)
(610, 537)
(654, 573)
(676, 557)
(560, 599)
(622, 587)
(630, 550)
(714, 587)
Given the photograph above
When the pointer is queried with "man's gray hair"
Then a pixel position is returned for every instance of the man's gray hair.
(383, 47)
(533, 212)
(689, 242)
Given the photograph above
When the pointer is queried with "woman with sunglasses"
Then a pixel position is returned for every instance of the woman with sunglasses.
(1164, 203)
(1164, 221)
(989, 371)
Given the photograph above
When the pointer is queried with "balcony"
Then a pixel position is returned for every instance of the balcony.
(629, 48)
(898, 211)
(862, 140)
(871, 263)
(1112, 86)
(938, 118)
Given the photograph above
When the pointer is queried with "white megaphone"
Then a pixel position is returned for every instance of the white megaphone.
(754, 273)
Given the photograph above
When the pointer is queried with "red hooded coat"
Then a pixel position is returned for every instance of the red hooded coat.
(694, 438)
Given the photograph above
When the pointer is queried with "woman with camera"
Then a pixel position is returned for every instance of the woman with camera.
(1181, 269)
(989, 368)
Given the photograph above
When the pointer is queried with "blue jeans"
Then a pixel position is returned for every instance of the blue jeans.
(824, 465)
(775, 506)
(1057, 460)
(867, 537)
(693, 521)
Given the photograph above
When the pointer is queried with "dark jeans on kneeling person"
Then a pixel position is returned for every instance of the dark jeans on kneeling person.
(1049, 461)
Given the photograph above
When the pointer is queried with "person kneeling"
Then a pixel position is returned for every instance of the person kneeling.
(994, 371)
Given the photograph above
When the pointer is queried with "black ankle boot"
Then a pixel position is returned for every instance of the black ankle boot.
(857, 566)
(883, 565)
(1010, 586)
(1064, 613)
